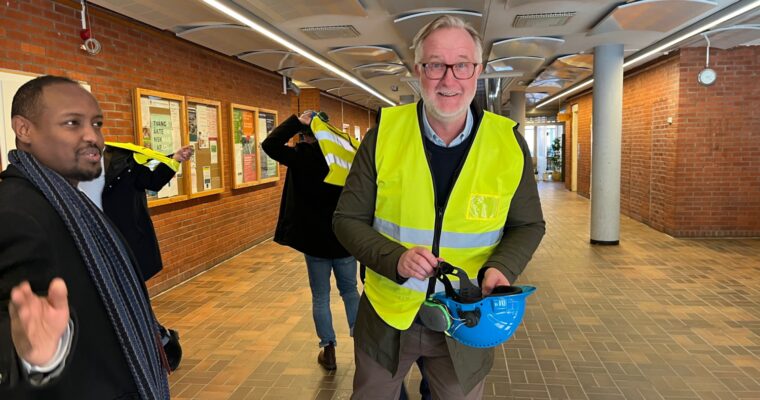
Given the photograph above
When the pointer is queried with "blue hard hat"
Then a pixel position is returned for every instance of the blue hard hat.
(470, 318)
(490, 321)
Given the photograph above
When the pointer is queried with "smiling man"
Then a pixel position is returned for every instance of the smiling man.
(437, 180)
(75, 320)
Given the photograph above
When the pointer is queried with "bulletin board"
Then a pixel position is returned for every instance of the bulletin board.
(160, 124)
(204, 134)
(269, 169)
(245, 149)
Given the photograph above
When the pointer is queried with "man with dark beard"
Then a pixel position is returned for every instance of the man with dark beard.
(76, 320)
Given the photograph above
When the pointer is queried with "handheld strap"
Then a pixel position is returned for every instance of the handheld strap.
(468, 293)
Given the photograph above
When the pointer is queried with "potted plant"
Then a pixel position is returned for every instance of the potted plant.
(555, 159)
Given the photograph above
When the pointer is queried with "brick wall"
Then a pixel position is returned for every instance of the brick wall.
(697, 175)
(42, 37)
(584, 144)
(648, 143)
(718, 164)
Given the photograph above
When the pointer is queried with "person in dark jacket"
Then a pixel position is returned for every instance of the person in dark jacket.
(125, 203)
(305, 224)
(75, 317)
(120, 193)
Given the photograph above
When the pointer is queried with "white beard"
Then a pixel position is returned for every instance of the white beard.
(444, 117)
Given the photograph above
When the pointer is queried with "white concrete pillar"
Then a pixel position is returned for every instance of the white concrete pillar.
(606, 144)
(517, 109)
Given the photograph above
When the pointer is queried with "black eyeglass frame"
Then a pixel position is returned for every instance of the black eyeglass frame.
(451, 67)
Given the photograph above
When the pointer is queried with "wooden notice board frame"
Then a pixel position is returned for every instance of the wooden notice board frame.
(163, 110)
(208, 146)
(244, 145)
(269, 169)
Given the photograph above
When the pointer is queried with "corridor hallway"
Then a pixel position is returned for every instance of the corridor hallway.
(653, 318)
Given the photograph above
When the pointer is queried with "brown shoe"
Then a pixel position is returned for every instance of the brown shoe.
(326, 357)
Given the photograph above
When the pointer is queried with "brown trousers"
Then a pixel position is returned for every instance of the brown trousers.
(373, 382)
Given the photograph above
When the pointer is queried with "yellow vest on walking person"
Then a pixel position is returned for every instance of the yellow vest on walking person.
(472, 221)
(338, 147)
(146, 156)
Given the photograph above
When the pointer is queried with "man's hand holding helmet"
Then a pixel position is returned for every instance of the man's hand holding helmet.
(491, 279)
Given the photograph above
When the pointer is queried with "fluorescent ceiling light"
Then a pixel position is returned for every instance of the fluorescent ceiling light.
(566, 93)
(662, 47)
(292, 46)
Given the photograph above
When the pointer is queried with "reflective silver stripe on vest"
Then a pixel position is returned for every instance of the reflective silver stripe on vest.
(424, 237)
(421, 286)
(420, 237)
(322, 135)
(333, 159)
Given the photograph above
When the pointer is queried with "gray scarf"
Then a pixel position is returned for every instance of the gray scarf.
(112, 273)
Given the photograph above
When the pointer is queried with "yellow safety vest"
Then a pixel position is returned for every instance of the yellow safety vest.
(474, 216)
(144, 155)
(339, 149)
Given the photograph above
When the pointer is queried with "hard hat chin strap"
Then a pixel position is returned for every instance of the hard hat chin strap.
(468, 293)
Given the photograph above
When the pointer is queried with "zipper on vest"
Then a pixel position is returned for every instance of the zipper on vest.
(438, 228)
(439, 209)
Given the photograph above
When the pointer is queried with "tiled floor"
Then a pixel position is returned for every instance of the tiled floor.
(653, 318)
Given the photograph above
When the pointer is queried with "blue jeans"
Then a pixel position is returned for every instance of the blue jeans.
(320, 270)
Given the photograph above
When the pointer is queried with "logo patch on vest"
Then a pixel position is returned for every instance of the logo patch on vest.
(483, 207)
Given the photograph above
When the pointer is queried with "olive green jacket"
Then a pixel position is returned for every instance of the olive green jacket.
(352, 224)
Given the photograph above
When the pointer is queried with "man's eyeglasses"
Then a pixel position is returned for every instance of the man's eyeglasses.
(461, 71)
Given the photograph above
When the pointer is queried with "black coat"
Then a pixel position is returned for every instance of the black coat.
(36, 246)
(307, 205)
(124, 202)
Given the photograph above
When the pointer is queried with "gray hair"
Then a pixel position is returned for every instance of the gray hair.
(446, 21)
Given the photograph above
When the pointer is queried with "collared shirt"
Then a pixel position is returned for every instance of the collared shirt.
(433, 137)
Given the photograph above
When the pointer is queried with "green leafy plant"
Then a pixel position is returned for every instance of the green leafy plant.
(555, 155)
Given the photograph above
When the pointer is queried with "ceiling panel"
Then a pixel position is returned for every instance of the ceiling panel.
(396, 7)
(395, 86)
(360, 55)
(274, 11)
(532, 46)
(730, 37)
(375, 70)
(584, 61)
(408, 25)
(652, 15)
(345, 91)
(327, 83)
(523, 64)
(304, 74)
(165, 14)
(228, 38)
(357, 97)
(274, 60)
(562, 73)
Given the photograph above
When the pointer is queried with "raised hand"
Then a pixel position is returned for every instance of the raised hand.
(37, 323)
(183, 153)
(417, 262)
(305, 118)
